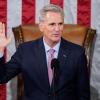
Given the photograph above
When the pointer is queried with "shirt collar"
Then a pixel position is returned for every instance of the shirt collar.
(56, 47)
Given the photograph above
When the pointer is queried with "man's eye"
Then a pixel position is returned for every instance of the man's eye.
(52, 24)
(60, 23)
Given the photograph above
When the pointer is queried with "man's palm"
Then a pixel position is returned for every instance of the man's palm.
(4, 41)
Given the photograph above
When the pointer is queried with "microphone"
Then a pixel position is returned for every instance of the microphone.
(55, 64)
(55, 68)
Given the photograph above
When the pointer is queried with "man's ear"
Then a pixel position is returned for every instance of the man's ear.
(41, 27)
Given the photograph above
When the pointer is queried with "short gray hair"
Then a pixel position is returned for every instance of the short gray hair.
(52, 8)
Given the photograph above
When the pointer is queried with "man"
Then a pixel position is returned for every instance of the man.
(32, 59)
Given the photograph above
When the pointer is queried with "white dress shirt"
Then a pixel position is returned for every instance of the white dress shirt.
(47, 48)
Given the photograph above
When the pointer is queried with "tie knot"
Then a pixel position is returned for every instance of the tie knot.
(51, 51)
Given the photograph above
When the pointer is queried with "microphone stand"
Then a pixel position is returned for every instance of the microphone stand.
(55, 69)
(53, 83)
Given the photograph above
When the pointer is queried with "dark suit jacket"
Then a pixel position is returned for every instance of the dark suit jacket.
(30, 60)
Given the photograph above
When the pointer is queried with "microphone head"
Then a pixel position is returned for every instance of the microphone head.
(55, 63)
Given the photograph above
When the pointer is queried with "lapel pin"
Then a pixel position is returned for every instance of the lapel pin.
(64, 55)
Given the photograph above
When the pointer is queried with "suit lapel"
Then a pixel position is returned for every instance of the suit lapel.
(63, 55)
(42, 66)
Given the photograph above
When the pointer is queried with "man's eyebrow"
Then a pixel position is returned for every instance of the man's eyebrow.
(55, 23)
(60, 23)
(52, 23)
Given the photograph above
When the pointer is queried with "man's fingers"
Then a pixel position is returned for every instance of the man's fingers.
(9, 38)
(2, 28)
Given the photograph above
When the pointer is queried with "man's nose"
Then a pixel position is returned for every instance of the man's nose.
(57, 28)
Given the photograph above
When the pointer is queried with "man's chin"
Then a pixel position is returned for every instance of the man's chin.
(56, 40)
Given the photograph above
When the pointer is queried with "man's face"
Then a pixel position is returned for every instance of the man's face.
(52, 27)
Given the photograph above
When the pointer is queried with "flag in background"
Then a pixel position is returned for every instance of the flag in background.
(16, 12)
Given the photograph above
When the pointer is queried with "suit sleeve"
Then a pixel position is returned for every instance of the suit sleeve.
(83, 85)
(10, 69)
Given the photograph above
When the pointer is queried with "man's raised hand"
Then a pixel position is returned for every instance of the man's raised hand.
(4, 41)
